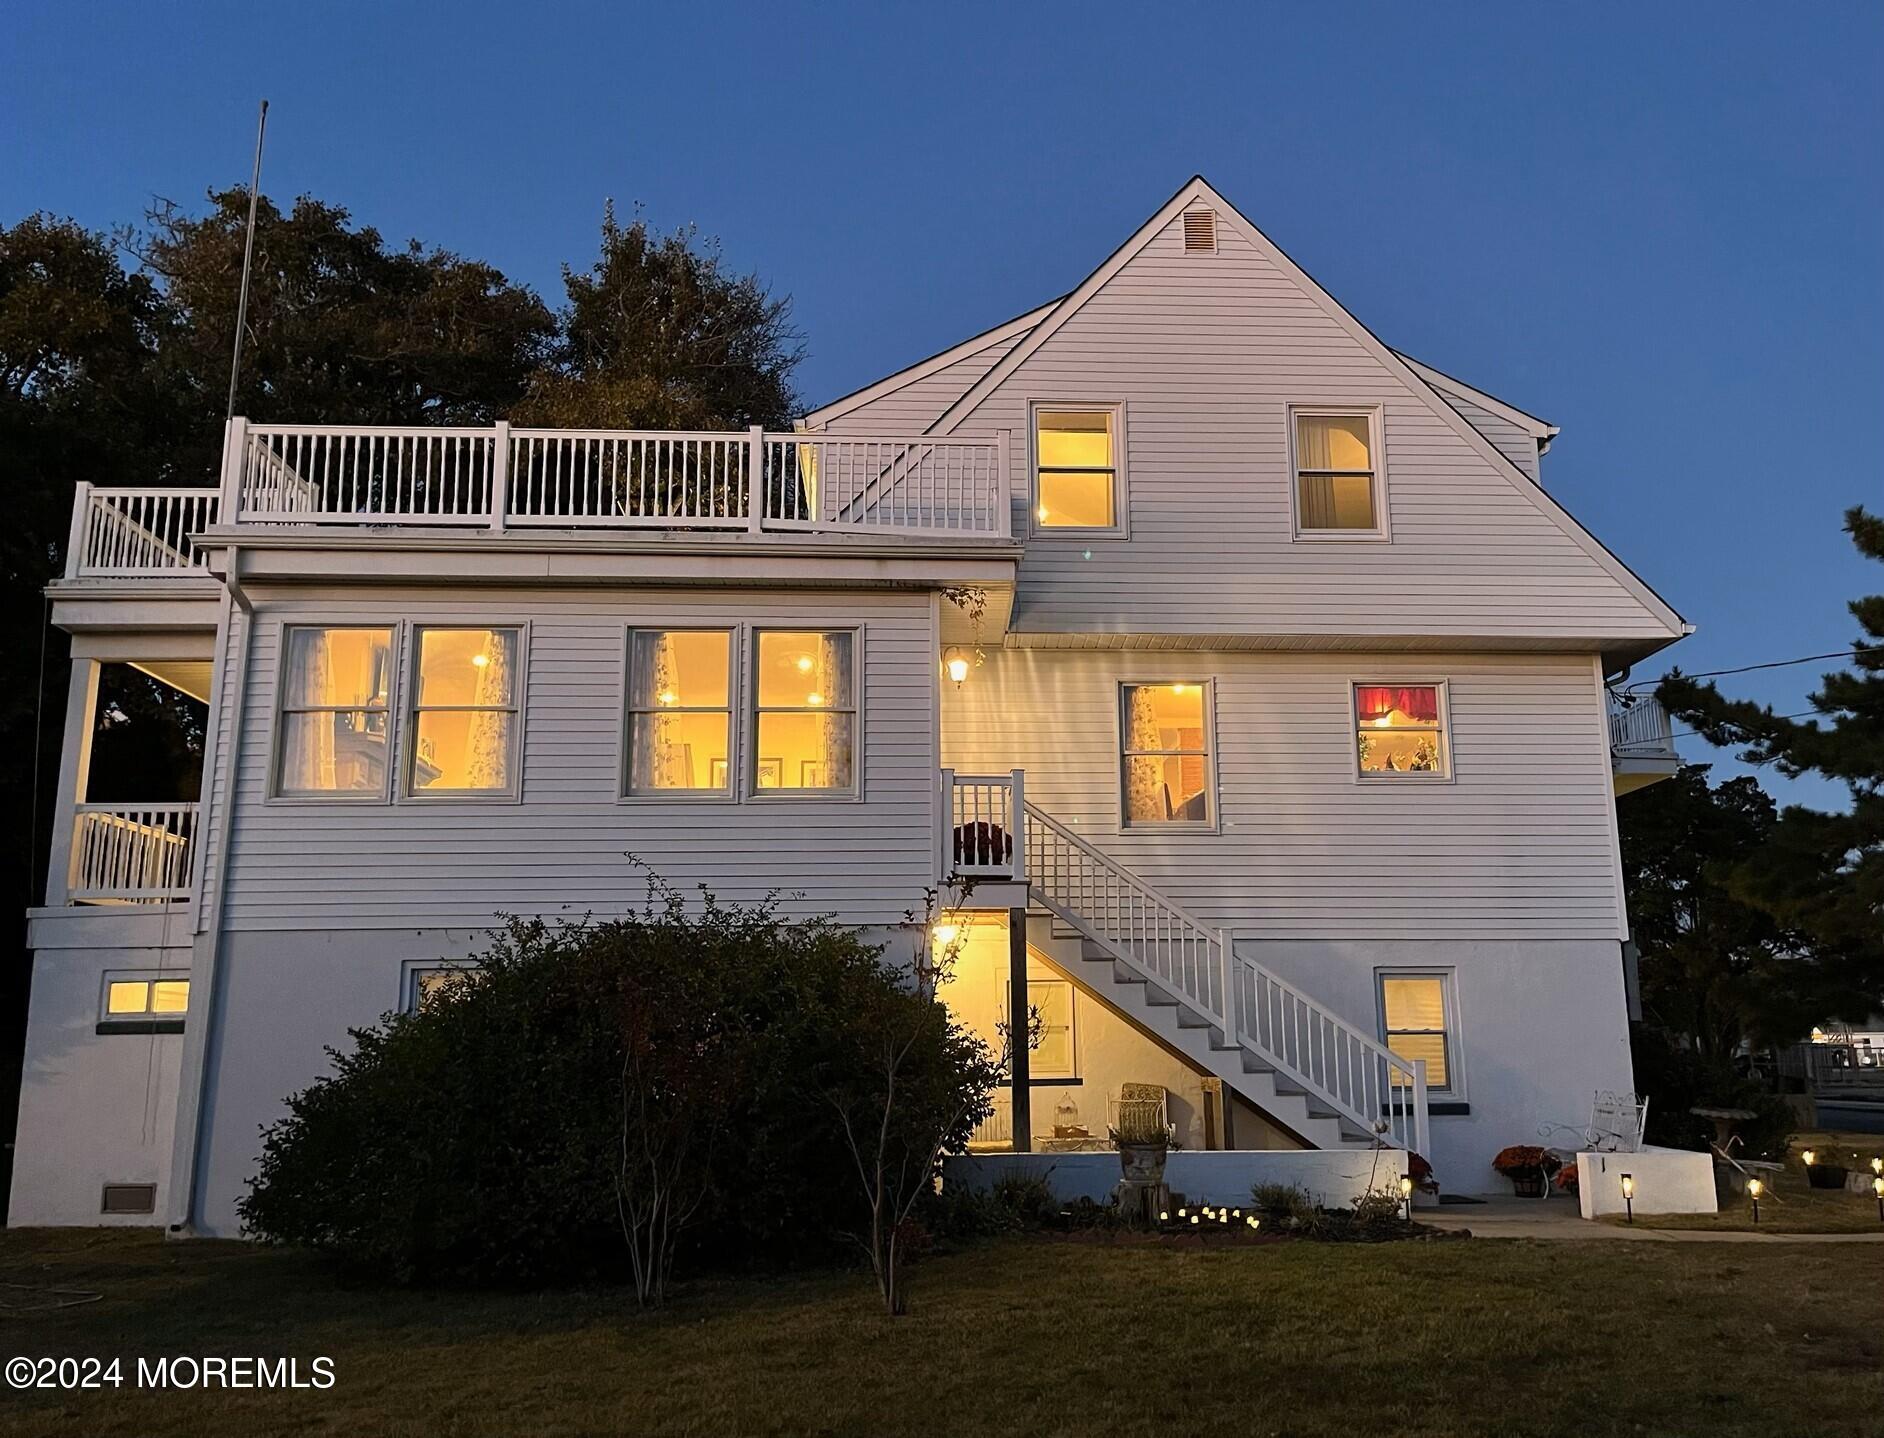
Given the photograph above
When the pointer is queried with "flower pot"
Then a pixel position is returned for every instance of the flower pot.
(1826, 1175)
(1528, 1183)
(1142, 1163)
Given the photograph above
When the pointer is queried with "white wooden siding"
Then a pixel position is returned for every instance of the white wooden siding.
(912, 408)
(1516, 445)
(1207, 353)
(562, 849)
(1517, 845)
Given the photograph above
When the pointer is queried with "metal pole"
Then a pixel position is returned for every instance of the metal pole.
(248, 259)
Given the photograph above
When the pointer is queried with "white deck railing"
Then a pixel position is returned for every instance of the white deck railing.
(1639, 728)
(1341, 1066)
(980, 836)
(122, 532)
(132, 853)
(500, 477)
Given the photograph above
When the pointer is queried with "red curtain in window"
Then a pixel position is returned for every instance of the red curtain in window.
(1376, 701)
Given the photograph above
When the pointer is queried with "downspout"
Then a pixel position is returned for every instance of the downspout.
(205, 966)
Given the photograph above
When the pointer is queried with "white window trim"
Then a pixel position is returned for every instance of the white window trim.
(412, 969)
(139, 1022)
(1443, 775)
(1377, 446)
(1072, 1027)
(407, 741)
(1120, 528)
(278, 747)
(748, 785)
(1212, 822)
(736, 640)
(1454, 1091)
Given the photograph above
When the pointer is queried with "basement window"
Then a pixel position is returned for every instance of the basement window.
(143, 1003)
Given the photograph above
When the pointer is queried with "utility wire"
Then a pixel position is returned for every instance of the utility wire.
(1770, 664)
(1693, 733)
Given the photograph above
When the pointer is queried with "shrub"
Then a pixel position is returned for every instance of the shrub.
(1284, 1204)
(502, 1132)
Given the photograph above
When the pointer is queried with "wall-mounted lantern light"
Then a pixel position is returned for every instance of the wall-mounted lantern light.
(956, 663)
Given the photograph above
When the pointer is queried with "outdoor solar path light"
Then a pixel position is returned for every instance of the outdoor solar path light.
(1877, 1187)
(1809, 1155)
(1406, 1194)
(1754, 1189)
(1628, 1194)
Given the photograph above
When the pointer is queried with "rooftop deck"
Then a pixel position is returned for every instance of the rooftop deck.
(498, 477)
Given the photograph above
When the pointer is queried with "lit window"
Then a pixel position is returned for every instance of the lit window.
(807, 711)
(680, 714)
(1400, 729)
(334, 715)
(145, 1001)
(1415, 1013)
(1054, 1056)
(1076, 484)
(425, 984)
(1166, 754)
(464, 710)
(1335, 476)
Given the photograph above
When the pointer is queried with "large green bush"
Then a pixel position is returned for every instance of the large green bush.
(500, 1133)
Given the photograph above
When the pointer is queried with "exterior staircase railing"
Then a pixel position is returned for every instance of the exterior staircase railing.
(1343, 1067)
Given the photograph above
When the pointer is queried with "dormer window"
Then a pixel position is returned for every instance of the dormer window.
(1338, 492)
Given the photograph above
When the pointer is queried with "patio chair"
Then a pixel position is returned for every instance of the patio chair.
(1616, 1124)
(1141, 1108)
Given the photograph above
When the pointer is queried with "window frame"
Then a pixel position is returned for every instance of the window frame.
(1454, 1088)
(409, 711)
(412, 970)
(147, 1020)
(735, 640)
(1382, 529)
(1212, 822)
(278, 754)
(1444, 774)
(1040, 980)
(1120, 528)
(751, 709)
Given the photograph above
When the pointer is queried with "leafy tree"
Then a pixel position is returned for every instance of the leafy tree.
(1821, 874)
(657, 334)
(1716, 970)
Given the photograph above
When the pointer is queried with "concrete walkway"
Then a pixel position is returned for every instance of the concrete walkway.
(1503, 1216)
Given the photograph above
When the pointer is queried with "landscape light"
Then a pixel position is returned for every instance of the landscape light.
(1628, 1194)
(1877, 1187)
(1754, 1189)
(1406, 1194)
(1877, 1166)
(1808, 1156)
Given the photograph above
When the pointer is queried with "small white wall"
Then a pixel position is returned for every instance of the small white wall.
(1667, 1180)
(94, 1108)
(1333, 1178)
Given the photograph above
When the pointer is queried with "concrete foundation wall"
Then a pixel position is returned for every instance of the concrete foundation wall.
(1667, 1180)
(1332, 1178)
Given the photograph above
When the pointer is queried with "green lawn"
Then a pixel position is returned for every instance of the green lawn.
(1037, 1337)
(1790, 1204)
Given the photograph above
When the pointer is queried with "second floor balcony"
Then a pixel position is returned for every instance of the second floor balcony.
(499, 477)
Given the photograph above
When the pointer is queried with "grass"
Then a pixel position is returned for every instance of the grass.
(1790, 1204)
(1033, 1337)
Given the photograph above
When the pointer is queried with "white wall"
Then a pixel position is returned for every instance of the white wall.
(94, 1108)
(1667, 1180)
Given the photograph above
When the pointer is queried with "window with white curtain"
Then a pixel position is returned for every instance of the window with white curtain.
(1165, 753)
(680, 711)
(464, 712)
(335, 729)
(805, 722)
(1337, 475)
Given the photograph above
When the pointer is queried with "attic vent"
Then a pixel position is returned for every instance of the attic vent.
(1200, 232)
(129, 1198)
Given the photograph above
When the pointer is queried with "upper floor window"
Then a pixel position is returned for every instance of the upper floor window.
(335, 729)
(1416, 1022)
(680, 711)
(1401, 729)
(1165, 753)
(464, 731)
(1337, 476)
(805, 725)
(1076, 468)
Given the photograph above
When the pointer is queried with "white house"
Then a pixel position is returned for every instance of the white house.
(1243, 663)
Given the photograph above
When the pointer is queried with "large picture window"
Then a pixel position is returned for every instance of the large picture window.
(1400, 730)
(1337, 476)
(335, 719)
(464, 729)
(805, 729)
(1077, 469)
(1166, 753)
(680, 711)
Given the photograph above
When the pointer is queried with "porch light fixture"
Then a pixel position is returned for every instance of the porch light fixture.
(1628, 1194)
(1754, 1189)
(946, 933)
(956, 663)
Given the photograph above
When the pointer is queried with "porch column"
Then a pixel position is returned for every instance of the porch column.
(1020, 1060)
(75, 766)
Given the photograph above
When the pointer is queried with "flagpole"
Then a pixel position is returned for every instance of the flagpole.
(248, 259)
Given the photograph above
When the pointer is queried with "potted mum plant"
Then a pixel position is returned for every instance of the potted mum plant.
(1528, 1167)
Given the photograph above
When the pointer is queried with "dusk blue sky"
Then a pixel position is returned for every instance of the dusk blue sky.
(1659, 226)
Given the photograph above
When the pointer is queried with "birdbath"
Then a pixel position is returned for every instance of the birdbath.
(1724, 1121)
